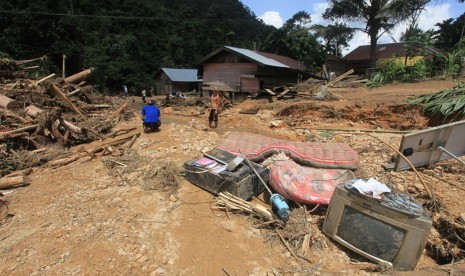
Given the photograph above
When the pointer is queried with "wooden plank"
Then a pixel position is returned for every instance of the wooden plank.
(269, 91)
(331, 83)
(284, 93)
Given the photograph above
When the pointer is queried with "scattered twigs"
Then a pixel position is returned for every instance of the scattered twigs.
(227, 201)
(286, 244)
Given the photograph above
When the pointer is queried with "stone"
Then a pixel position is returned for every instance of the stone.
(168, 110)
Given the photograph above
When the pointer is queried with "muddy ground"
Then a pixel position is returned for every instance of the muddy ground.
(116, 215)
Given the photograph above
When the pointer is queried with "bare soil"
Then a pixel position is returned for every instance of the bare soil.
(92, 218)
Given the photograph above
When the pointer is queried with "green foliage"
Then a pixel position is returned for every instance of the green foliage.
(445, 103)
(335, 37)
(127, 42)
(294, 40)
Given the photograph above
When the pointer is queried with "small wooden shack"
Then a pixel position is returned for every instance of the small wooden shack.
(171, 80)
(232, 69)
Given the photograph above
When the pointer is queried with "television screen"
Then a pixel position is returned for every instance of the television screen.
(369, 234)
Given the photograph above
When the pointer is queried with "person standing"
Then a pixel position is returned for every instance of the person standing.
(144, 94)
(215, 108)
(125, 91)
(150, 116)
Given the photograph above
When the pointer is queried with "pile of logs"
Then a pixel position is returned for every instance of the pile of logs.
(36, 114)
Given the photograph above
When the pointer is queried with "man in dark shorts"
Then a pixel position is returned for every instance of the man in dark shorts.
(151, 116)
(215, 106)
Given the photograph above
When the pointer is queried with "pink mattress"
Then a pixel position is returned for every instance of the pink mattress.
(320, 155)
(305, 185)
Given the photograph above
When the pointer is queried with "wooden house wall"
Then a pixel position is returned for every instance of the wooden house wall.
(272, 76)
(230, 74)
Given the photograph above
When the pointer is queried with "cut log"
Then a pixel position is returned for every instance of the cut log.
(7, 103)
(76, 78)
(9, 182)
(33, 111)
(120, 109)
(55, 91)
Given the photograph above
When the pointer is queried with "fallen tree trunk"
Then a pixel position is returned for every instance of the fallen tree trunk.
(7, 103)
(79, 76)
(9, 182)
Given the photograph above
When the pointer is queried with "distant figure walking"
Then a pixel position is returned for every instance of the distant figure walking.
(144, 94)
(125, 91)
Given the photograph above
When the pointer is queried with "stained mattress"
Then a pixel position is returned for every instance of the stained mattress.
(319, 155)
(306, 185)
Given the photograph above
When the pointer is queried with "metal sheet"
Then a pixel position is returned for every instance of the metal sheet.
(424, 145)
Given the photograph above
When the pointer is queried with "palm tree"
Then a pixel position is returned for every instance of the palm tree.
(379, 16)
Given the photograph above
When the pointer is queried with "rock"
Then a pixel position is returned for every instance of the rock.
(287, 254)
(173, 198)
(168, 110)
(276, 123)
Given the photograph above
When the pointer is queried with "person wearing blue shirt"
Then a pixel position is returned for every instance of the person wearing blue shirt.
(151, 116)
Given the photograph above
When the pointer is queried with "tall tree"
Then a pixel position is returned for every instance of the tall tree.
(379, 16)
(449, 32)
(295, 40)
(335, 37)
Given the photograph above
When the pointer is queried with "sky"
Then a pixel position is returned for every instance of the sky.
(276, 12)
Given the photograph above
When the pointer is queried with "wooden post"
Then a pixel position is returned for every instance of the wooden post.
(7, 103)
(63, 66)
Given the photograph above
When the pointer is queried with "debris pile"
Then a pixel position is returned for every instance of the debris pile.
(40, 118)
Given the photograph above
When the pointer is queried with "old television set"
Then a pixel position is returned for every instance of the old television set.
(393, 230)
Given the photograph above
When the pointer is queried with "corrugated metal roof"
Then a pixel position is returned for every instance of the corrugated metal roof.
(257, 57)
(181, 75)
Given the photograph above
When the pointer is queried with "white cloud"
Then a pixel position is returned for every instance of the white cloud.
(272, 18)
(317, 13)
